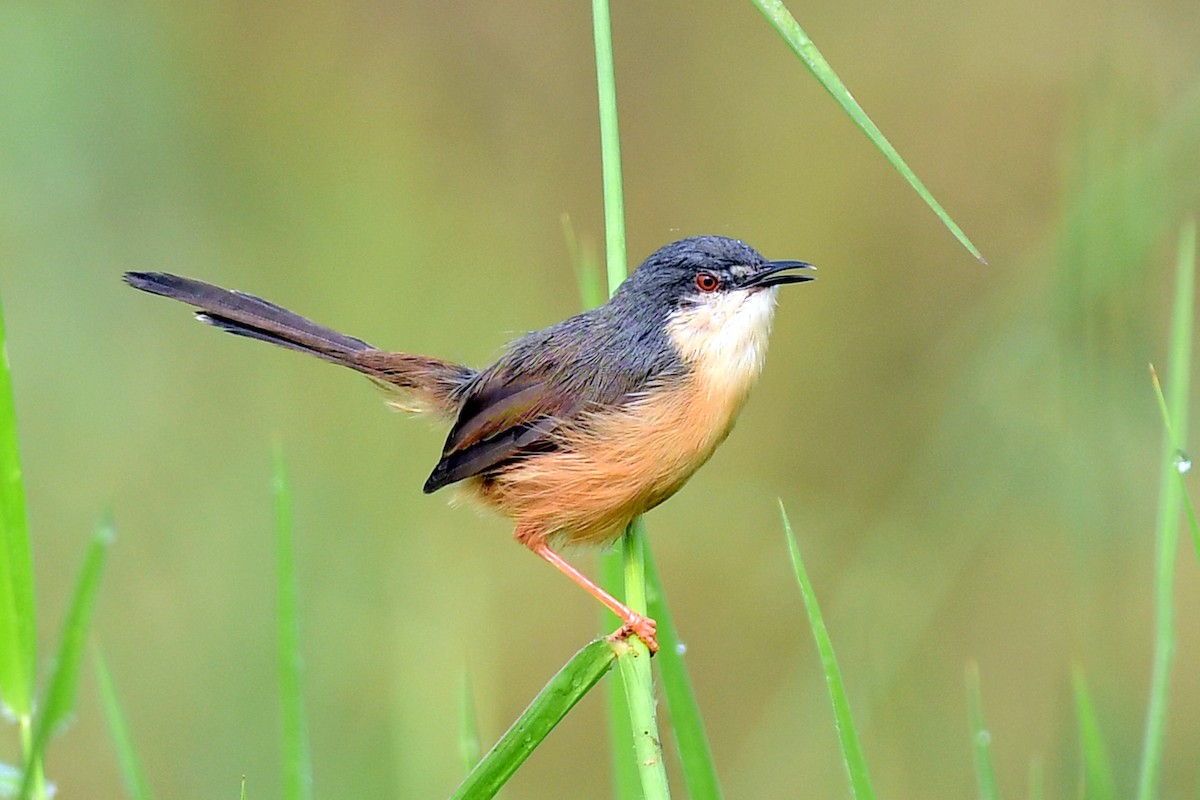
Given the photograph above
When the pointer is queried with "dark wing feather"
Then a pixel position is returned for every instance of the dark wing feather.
(547, 379)
(500, 420)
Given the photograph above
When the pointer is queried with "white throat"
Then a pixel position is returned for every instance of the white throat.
(724, 339)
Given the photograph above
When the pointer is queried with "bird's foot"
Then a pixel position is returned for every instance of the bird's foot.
(642, 627)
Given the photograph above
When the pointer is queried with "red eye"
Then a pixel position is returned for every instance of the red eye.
(707, 282)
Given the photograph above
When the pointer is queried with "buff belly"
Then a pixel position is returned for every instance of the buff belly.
(622, 465)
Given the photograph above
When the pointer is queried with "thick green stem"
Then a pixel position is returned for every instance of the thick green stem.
(634, 663)
(610, 147)
(636, 675)
(1170, 500)
(38, 781)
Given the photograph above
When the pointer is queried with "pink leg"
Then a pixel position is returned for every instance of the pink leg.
(641, 626)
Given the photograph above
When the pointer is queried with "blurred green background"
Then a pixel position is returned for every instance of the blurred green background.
(969, 454)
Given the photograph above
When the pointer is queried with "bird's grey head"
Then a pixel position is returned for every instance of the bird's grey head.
(703, 268)
(709, 301)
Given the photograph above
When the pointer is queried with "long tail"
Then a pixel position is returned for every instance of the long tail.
(426, 384)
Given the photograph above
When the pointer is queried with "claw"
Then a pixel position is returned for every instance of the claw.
(644, 628)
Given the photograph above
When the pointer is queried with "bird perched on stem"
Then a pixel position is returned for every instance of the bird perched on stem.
(578, 428)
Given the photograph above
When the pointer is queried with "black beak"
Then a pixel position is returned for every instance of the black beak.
(775, 273)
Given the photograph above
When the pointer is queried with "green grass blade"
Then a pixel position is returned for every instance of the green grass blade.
(118, 727)
(1098, 782)
(10, 780)
(552, 703)
(852, 754)
(695, 756)
(1182, 462)
(610, 147)
(634, 665)
(469, 748)
(59, 702)
(18, 656)
(787, 27)
(1169, 501)
(981, 739)
(626, 783)
(1037, 780)
(296, 757)
(1190, 512)
(588, 275)
(243, 793)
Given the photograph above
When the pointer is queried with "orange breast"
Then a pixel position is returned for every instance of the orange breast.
(617, 465)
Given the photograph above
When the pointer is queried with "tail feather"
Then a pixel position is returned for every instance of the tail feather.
(247, 315)
(429, 384)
